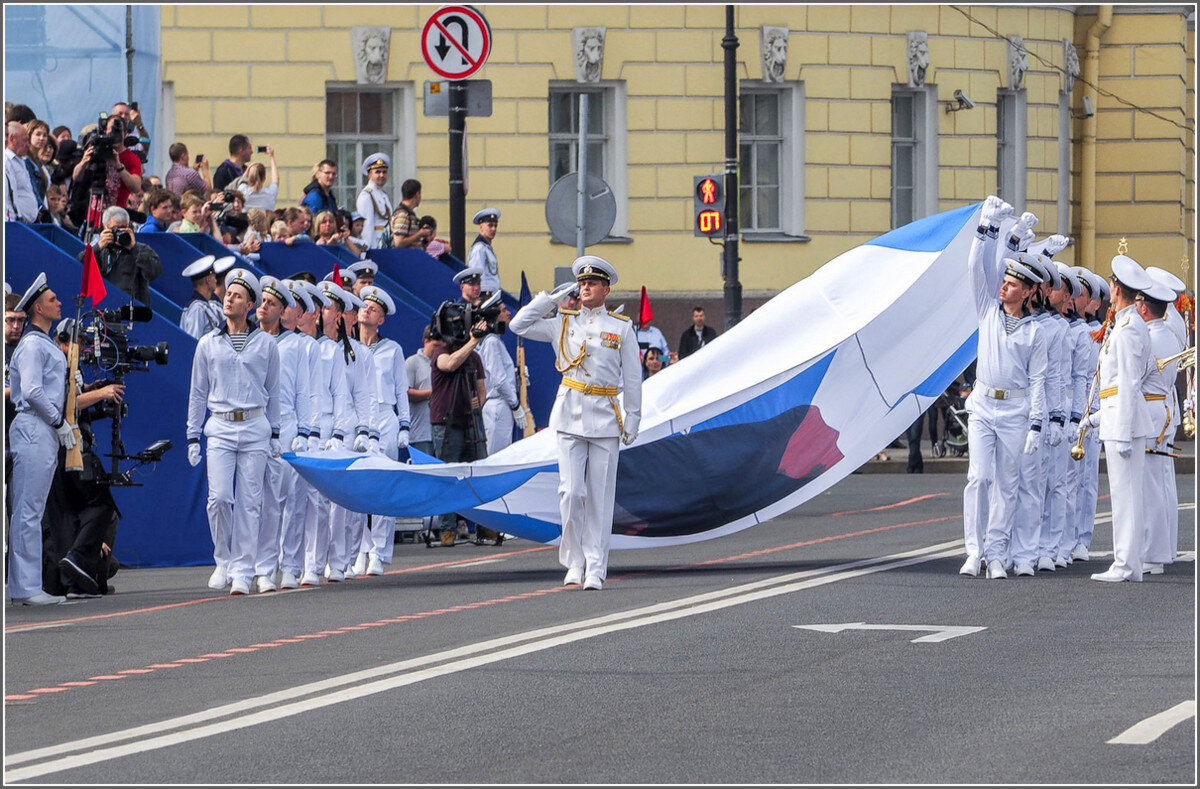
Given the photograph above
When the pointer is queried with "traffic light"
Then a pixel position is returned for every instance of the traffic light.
(708, 199)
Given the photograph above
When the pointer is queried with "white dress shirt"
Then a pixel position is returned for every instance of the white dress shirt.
(225, 380)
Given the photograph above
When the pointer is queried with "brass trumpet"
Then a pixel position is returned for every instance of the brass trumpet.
(1186, 359)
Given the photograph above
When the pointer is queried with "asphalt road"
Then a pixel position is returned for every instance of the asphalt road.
(472, 665)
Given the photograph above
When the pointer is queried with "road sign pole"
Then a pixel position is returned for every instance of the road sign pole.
(458, 202)
(733, 287)
(580, 220)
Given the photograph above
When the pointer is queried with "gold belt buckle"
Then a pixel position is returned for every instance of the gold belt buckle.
(239, 416)
(587, 389)
(1001, 394)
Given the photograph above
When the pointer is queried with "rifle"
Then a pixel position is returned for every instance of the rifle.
(523, 387)
(74, 461)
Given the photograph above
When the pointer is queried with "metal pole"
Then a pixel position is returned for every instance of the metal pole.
(729, 267)
(129, 53)
(458, 130)
(581, 173)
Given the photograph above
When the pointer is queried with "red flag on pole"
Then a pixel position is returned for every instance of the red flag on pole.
(93, 283)
(645, 314)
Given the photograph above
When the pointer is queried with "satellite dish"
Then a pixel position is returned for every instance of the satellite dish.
(599, 210)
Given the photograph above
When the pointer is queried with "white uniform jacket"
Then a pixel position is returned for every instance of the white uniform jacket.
(483, 257)
(594, 347)
(1083, 362)
(500, 369)
(198, 319)
(334, 389)
(1164, 413)
(391, 379)
(1126, 361)
(224, 380)
(37, 373)
(295, 390)
(374, 204)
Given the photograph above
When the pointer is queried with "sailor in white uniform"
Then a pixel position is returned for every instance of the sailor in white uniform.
(1175, 323)
(596, 351)
(373, 202)
(502, 409)
(37, 376)
(1079, 342)
(389, 432)
(295, 416)
(1126, 360)
(1007, 401)
(481, 255)
(1089, 475)
(201, 314)
(235, 376)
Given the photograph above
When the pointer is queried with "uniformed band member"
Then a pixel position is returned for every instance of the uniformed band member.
(1123, 420)
(364, 275)
(1007, 402)
(596, 351)
(373, 202)
(37, 375)
(481, 255)
(202, 313)
(235, 376)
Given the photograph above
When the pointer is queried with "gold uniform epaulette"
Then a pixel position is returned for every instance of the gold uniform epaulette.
(564, 311)
(618, 315)
(1124, 322)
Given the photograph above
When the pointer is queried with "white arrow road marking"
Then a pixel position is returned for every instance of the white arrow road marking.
(1155, 726)
(941, 632)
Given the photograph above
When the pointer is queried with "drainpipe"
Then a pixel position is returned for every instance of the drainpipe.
(1087, 178)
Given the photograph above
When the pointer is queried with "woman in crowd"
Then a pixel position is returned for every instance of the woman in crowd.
(651, 363)
(254, 186)
(39, 173)
(326, 229)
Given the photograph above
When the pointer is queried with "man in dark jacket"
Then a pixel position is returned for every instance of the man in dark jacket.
(697, 335)
(124, 262)
(318, 195)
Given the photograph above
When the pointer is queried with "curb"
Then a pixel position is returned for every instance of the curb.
(1183, 465)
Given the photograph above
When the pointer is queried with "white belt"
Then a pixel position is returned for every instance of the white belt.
(999, 394)
(239, 416)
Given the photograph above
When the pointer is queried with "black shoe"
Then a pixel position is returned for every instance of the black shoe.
(70, 565)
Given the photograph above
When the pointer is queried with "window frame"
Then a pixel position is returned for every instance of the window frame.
(615, 143)
(791, 140)
(924, 143)
(402, 140)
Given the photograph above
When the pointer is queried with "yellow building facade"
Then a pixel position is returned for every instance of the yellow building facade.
(846, 144)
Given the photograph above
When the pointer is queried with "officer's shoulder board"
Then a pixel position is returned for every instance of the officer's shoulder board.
(618, 315)
(1125, 321)
(563, 311)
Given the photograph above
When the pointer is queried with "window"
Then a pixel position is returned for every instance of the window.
(914, 153)
(605, 139)
(1010, 146)
(771, 159)
(360, 122)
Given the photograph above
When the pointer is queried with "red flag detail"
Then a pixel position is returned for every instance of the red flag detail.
(337, 275)
(93, 283)
(645, 314)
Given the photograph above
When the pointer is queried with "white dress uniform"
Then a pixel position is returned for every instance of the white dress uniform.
(331, 419)
(1006, 402)
(1089, 485)
(1162, 498)
(1082, 363)
(596, 350)
(501, 393)
(346, 526)
(1059, 394)
(37, 375)
(481, 255)
(300, 499)
(1125, 425)
(376, 208)
(241, 392)
(199, 318)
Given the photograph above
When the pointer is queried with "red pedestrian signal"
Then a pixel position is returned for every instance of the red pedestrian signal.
(708, 202)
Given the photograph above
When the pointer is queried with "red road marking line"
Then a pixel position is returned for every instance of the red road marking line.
(48, 690)
(162, 665)
(890, 506)
(137, 671)
(108, 676)
(19, 697)
(78, 683)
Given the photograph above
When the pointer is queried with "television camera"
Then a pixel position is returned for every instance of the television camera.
(454, 321)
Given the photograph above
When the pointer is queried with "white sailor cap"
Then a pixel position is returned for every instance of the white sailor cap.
(468, 273)
(486, 215)
(1164, 277)
(1074, 286)
(1130, 273)
(1022, 272)
(277, 289)
(355, 216)
(590, 266)
(1090, 280)
(221, 265)
(200, 267)
(364, 267)
(243, 277)
(1043, 265)
(315, 293)
(300, 294)
(346, 275)
(376, 161)
(35, 290)
(341, 298)
(65, 326)
(376, 294)
(7, 289)
(1158, 291)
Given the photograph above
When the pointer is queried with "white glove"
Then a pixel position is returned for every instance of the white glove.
(402, 438)
(333, 443)
(1074, 435)
(559, 294)
(1055, 244)
(1056, 434)
(1027, 222)
(1033, 440)
(314, 443)
(66, 435)
(373, 447)
(995, 211)
(361, 443)
(1092, 420)
(78, 381)
(299, 444)
(276, 448)
(194, 454)
(628, 438)
(1124, 448)
(519, 417)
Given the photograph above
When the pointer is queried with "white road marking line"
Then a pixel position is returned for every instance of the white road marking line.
(1155, 726)
(461, 659)
(940, 632)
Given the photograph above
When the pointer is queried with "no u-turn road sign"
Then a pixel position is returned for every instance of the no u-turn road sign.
(456, 41)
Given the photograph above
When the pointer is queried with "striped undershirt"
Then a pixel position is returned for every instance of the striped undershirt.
(239, 340)
(1010, 323)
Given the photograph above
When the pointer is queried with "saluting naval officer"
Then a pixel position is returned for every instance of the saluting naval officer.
(596, 352)
(373, 202)
(202, 313)
(235, 376)
(481, 255)
(1125, 362)
(37, 376)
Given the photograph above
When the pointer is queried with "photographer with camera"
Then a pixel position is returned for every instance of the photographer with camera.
(107, 168)
(122, 260)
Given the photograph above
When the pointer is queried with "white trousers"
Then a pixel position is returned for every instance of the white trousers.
(1054, 500)
(1089, 490)
(380, 539)
(587, 486)
(995, 436)
(1073, 480)
(278, 482)
(316, 514)
(1031, 500)
(236, 463)
(346, 528)
(497, 425)
(34, 448)
(1125, 482)
(1160, 509)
